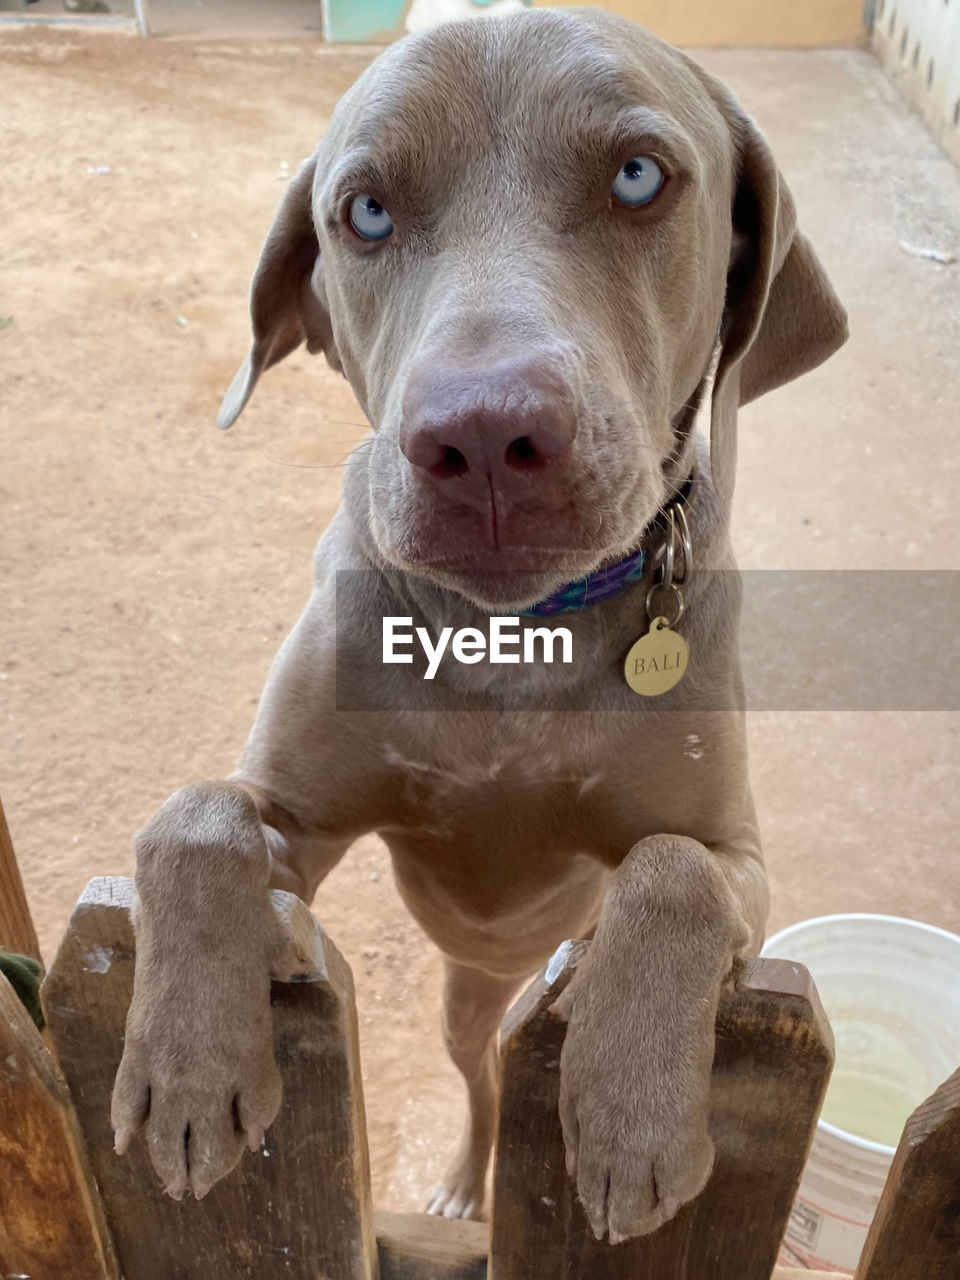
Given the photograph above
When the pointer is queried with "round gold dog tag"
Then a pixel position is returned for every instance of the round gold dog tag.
(657, 661)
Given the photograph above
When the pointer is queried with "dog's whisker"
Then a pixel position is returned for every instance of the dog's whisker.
(346, 422)
(320, 466)
(304, 466)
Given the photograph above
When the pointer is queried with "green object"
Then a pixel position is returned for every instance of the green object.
(354, 21)
(357, 21)
(25, 975)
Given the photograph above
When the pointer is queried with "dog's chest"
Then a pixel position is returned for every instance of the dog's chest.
(579, 783)
(459, 755)
(523, 781)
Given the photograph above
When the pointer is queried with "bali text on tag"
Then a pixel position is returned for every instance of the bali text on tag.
(657, 661)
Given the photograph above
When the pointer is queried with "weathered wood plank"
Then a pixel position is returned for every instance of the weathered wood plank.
(51, 1225)
(300, 1209)
(916, 1230)
(418, 1246)
(773, 1059)
(16, 924)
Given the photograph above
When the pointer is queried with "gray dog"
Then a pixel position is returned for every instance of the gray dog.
(535, 245)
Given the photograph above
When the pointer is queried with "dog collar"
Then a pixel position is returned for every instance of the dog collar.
(600, 585)
(606, 582)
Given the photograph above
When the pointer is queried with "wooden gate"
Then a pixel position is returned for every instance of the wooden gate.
(302, 1210)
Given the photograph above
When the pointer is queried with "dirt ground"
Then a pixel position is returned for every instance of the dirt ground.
(151, 565)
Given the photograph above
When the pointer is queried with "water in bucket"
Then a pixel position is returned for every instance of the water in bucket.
(891, 990)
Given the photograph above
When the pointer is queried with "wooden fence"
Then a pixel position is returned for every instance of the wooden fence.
(302, 1209)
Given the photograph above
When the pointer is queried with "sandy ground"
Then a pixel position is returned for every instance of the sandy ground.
(151, 565)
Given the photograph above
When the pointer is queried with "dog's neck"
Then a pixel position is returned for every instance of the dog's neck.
(611, 579)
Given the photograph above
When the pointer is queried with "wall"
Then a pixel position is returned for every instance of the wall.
(918, 42)
(800, 24)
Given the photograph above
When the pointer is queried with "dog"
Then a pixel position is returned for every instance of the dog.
(537, 246)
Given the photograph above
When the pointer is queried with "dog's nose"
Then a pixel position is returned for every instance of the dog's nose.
(503, 427)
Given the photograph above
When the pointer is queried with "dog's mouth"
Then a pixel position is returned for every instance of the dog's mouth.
(510, 578)
(562, 561)
(516, 555)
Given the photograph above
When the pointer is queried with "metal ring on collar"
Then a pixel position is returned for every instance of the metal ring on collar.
(659, 554)
(658, 613)
(669, 547)
(686, 544)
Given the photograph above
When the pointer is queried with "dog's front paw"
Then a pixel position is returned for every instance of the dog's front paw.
(198, 1072)
(638, 1054)
(635, 1164)
(634, 1105)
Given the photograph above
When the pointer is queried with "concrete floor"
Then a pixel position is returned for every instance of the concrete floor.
(857, 467)
(151, 565)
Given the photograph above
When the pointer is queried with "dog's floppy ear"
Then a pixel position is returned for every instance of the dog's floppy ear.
(285, 305)
(782, 317)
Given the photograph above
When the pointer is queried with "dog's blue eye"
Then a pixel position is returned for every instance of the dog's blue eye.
(369, 219)
(638, 181)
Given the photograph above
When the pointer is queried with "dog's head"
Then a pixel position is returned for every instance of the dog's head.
(523, 239)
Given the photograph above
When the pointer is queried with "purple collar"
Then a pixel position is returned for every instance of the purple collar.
(606, 582)
(601, 585)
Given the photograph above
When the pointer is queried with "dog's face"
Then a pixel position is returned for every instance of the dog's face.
(521, 253)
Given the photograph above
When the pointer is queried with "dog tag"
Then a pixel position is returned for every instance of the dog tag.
(657, 661)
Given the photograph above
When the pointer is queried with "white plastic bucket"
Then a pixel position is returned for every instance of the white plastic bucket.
(891, 989)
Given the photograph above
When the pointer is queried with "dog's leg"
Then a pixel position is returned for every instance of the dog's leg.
(198, 1071)
(636, 1062)
(474, 1003)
